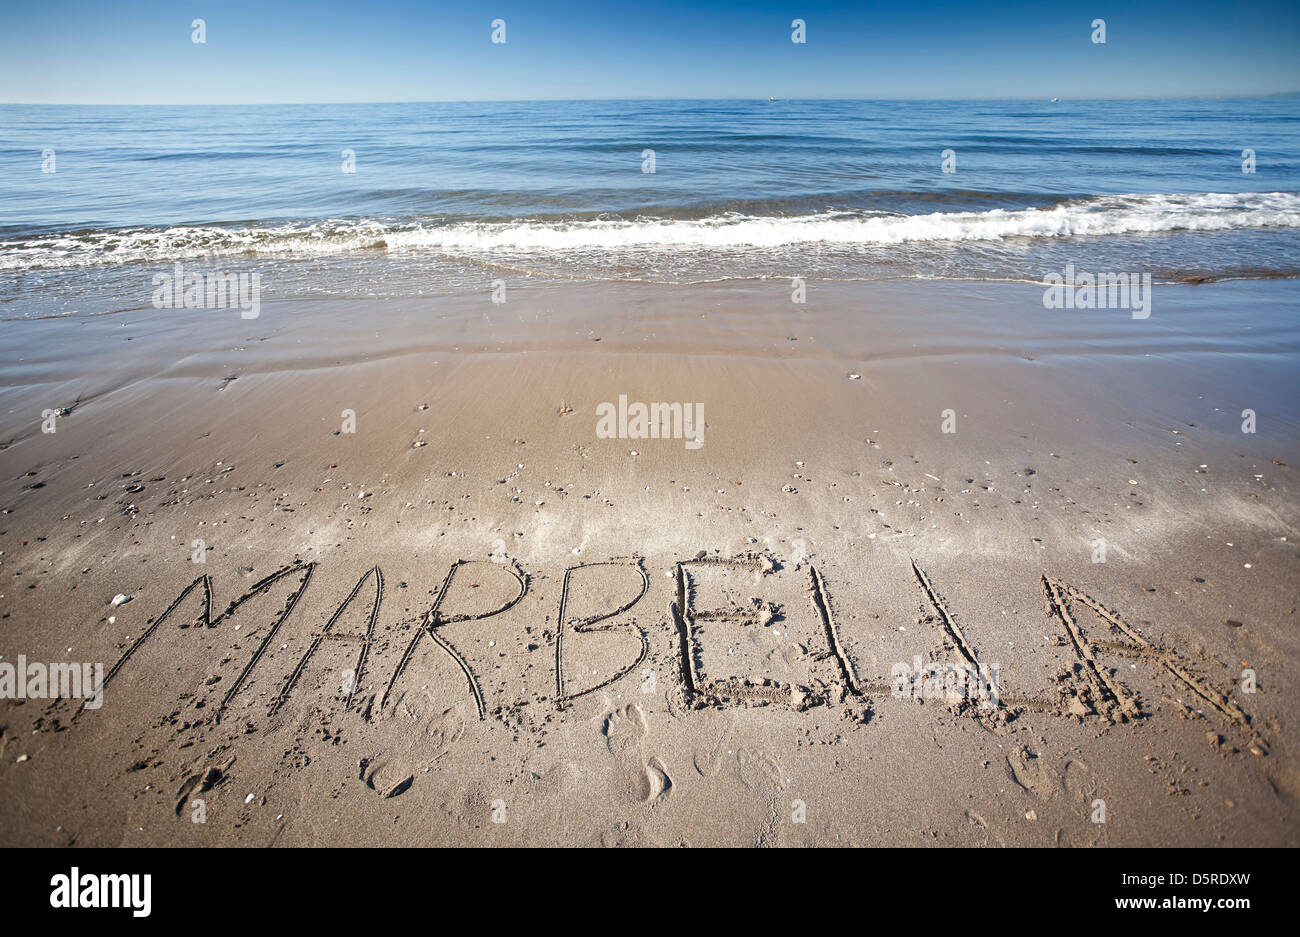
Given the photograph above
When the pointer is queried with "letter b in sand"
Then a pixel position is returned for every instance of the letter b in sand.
(949, 424)
(799, 34)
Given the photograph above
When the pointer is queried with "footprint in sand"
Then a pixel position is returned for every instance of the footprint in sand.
(758, 772)
(990, 836)
(1079, 783)
(1031, 773)
(1077, 780)
(444, 731)
(414, 739)
(624, 836)
(708, 762)
(646, 779)
(654, 784)
(624, 729)
(387, 778)
(761, 776)
(201, 781)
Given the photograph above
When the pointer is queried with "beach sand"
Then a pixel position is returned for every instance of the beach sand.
(398, 498)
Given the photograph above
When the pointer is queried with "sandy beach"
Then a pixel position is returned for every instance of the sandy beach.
(381, 578)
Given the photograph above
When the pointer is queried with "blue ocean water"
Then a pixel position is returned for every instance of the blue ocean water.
(842, 189)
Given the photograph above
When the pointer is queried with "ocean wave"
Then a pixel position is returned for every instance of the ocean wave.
(1092, 217)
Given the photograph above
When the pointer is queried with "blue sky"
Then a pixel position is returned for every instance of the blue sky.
(140, 51)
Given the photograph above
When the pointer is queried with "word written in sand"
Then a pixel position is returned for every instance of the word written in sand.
(698, 631)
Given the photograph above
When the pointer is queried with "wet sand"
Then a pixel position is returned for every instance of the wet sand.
(442, 457)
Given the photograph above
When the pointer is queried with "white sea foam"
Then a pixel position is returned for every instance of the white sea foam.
(1102, 216)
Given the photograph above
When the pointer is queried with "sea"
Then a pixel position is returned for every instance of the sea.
(417, 199)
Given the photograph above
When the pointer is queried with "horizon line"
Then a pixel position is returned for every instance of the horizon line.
(1009, 98)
